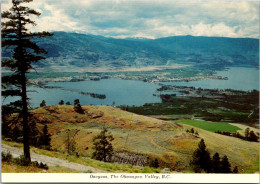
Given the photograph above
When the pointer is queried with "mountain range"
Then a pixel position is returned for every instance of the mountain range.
(73, 51)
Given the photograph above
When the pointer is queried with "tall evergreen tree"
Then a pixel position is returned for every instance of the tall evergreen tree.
(102, 145)
(201, 158)
(77, 107)
(216, 163)
(45, 138)
(225, 165)
(17, 37)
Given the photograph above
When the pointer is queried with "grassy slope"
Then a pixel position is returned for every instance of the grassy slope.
(139, 134)
(107, 167)
(14, 168)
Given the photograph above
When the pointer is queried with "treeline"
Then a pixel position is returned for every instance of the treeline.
(77, 106)
(170, 87)
(94, 95)
(249, 135)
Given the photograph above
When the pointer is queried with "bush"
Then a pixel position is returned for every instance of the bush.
(43, 104)
(154, 163)
(40, 165)
(6, 157)
(235, 170)
(46, 147)
(22, 161)
(43, 166)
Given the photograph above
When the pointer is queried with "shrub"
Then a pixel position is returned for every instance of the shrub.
(235, 170)
(43, 104)
(6, 157)
(154, 163)
(43, 166)
(22, 161)
(40, 165)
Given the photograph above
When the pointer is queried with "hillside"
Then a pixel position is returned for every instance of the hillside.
(140, 137)
(76, 52)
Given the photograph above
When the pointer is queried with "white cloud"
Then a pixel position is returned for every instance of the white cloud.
(152, 19)
(219, 29)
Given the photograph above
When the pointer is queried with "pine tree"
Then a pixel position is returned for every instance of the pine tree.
(16, 36)
(70, 142)
(43, 104)
(45, 139)
(201, 158)
(33, 132)
(16, 133)
(77, 107)
(6, 130)
(216, 163)
(102, 146)
(225, 165)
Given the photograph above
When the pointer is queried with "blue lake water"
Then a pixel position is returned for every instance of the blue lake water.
(122, 92)
(132, 92)
(239, 78)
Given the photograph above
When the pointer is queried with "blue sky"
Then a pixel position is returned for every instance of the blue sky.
(148, 18)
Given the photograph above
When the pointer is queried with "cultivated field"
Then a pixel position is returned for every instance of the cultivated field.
(211, 126)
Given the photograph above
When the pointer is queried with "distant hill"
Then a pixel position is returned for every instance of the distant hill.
(74, 51)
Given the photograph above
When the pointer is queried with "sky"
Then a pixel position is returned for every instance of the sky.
(147, 18)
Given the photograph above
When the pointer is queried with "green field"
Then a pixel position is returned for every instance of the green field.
(210, 126)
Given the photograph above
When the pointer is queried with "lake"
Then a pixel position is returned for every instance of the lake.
(239, 78)
(132, 92)
(122, 92)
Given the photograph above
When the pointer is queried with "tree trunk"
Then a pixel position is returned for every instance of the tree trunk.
(26, 146)
(104, 152)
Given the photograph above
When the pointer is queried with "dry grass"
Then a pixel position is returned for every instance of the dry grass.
(167, 141)
(14, 168)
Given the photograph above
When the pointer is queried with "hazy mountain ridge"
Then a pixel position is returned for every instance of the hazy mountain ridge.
(73, 50)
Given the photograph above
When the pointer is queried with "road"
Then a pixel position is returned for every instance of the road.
(50, 161)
